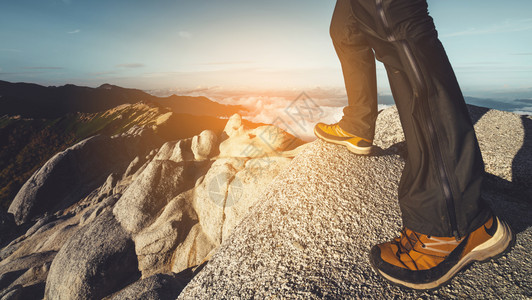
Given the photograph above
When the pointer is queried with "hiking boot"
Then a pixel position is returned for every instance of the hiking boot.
(334, 134)
(421, 261)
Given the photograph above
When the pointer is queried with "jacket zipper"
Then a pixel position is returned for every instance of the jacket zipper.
(444, 177)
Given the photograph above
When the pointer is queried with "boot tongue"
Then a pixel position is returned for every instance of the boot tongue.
(409, 240)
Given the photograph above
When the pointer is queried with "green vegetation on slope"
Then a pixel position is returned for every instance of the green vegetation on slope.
(26, 144)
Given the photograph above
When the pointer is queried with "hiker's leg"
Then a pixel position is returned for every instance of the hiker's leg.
(439, 193)
(358, 67)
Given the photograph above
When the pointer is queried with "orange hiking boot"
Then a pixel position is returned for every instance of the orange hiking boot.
(334, 134)
(421, 261)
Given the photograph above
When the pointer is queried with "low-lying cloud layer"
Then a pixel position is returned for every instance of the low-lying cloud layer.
(296, 115)
(295, 111)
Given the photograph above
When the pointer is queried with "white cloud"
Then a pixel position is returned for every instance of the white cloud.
(9, 50)
(214, 63)
(295, 111)
(42, 68)
(185, 34)
(524, 111)
(275, 106)
(74, 31)
(296, 116)
(105, 73)
(159, 74)
(130, 65)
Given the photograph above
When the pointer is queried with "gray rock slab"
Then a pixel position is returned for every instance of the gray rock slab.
(72, 174)
(310, 235)
(95, 262)
(26, 262)
(143, 200)
(155, 287)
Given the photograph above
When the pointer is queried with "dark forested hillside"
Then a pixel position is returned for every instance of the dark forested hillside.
(35, 101)
(36, 122)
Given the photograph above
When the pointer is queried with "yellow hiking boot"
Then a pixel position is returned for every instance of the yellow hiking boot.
(334, 134)
(421, 261)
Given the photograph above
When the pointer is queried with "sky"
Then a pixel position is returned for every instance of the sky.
(242, 44)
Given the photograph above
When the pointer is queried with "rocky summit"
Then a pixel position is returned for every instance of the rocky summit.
(309, 236)
(124, 215)
(233, 215)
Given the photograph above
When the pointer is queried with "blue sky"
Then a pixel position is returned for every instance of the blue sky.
(241, 44)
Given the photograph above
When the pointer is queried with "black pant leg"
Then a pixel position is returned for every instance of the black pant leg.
(358, 67)
(439, 193)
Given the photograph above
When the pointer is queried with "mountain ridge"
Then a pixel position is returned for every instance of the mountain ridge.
(37, 121)
(37, 101)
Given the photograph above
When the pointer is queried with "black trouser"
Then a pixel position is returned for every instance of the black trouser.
(439, 192)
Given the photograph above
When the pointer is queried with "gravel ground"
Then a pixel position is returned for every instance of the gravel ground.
(310, 234)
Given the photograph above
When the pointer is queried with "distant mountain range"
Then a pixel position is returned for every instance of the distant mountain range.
(36, 122)
(36, 101)
(516, 105)
(520, 106)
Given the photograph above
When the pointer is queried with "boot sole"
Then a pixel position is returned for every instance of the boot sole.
(352, 148)
(501, 241)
